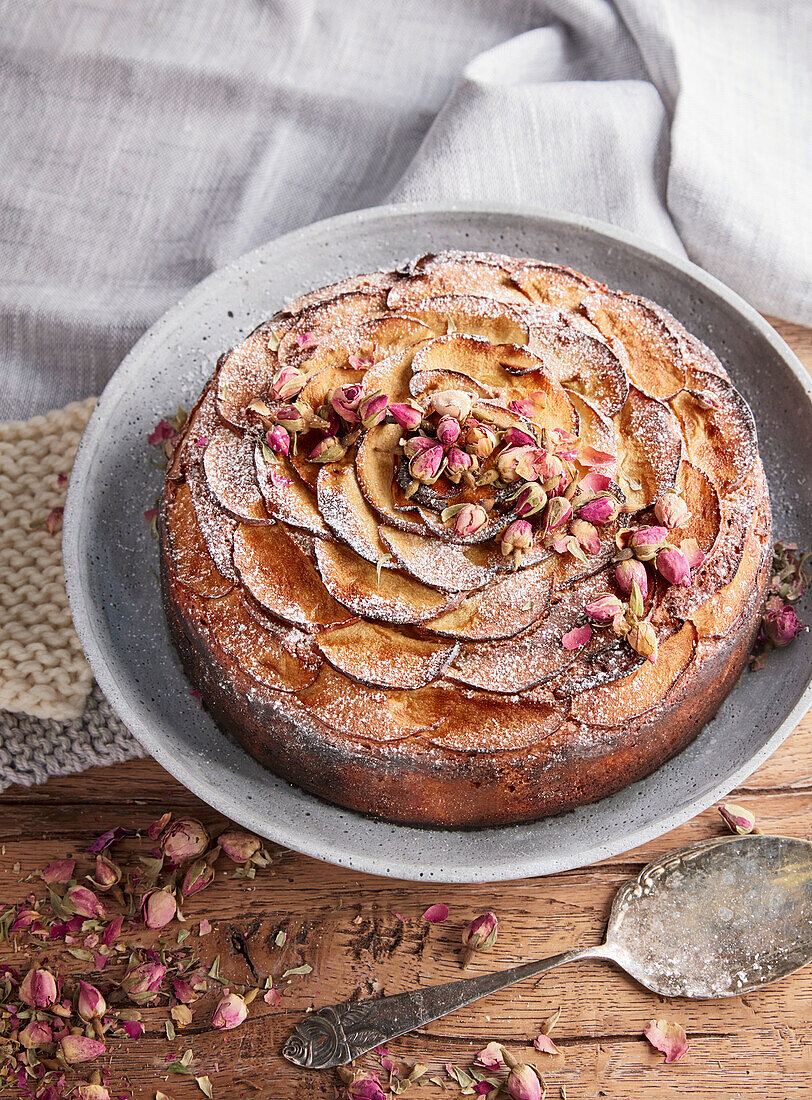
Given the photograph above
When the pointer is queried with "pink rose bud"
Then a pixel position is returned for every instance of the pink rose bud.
(93, 1092)
(456, 403)
(479, 935)
(530, 500)
(524, 1084)
(601, 509)
(480, 440)
(198, 876)
(278, 440)
(230, 1012)
(158, 908)
(287, 383)
(329, 449)
(85, 903)
(548, 466)
(409, 417)
(142, 981)
(459, 462)
(365, 1086)
(417, 444)
(557, 514)
(781, 625)
(108, 873)
(469, 520)
(90, 1003)
(517, 537)
(522, 463)
(346, 399)
(372, 410)
(604, 609)
(292, 418)
(78, 1048)
(586, 536)
(516, 437)
(643, 640)
(184, 839)
(673, 566)
(35, 1033)
(239, 846)
(38, 989)
(646, 541)
(448, 430)
(630, 571)
(671, 511)
(738, 819)
(426, 466)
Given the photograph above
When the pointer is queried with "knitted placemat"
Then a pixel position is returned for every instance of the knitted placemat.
(49, 723)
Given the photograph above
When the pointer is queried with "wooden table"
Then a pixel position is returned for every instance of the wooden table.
(343, 925)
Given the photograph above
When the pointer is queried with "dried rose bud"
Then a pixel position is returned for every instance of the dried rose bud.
(85, 903)
(738, 819)
(108, 873)
(604, 609)
(557, 514)
(601, 509)
(293, 418)
(417, 444)
(199, 875)
(480, 440)
(586, 536)
(158, 908)
(522, 463)
(230, 1012)
(239, 846)
(643, 640)
(408, 416)
(93, 1092)
(671, 511)
(287, 383)
(781, 625)
(459, 462)
(523, 1083)
(530, 499)
(346, 399)
(673, 566)
(184, 839)
(328, 449)
(630, 571)
(278, 440)
(456, 403)
(78, 1048)
(517, 538)
(517, 437)
(448, 430)
(646, 541)
(35, 1033)
(372, 409)
(479, 935)
(426, 466)
(90, 1002)
(38, 989)
(695, 556)
(549, 467)
(470, 519)
(142, 981)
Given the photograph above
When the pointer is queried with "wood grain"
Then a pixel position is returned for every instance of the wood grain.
(344, 925)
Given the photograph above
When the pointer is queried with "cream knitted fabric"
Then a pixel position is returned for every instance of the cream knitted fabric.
(43, 671)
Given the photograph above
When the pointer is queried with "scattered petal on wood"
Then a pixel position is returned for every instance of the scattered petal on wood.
(437, 913)
(668, 1037)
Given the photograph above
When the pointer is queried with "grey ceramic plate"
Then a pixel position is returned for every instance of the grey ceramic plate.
(111, 562)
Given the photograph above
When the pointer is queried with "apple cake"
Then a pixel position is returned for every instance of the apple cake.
(465, 543)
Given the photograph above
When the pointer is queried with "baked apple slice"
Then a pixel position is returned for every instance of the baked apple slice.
(216, 526)
(649, 450)
(375, 469)
(381, 656)
(450, 313)
(449, 567)
(501, 725)
(509, 605)
(242, 374)
(280, 576)
(704, 507)
(320, 321)
(551, 284)
(717, 616)
(186, 548)
(442, 273)
(580, 362)
(348, 514)
(229, 465)
(286, 496)
(720, 433)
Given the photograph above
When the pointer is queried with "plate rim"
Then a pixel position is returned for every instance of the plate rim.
(236, 810)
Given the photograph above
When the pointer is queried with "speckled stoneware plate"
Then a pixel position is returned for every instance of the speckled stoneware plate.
(111, 562)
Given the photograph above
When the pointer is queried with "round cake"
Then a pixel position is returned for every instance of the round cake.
(466, 543)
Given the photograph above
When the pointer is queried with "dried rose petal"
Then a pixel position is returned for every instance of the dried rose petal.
(158, 908)
(35, 1033)
(577, 637)
(90, 1002)
(594, 482)
(93, 1092)
(737, 818)
(668, 1037)
(38, 988)
(437, 913)
(694, 556)
(60, 871)
(158, 826)
(591, 456)
(134, 1028)
(272, 997)
(306, 340)
(86, 903)
(365, 1085)
(163, 430)
(184, 839)
(110, 837)
(230, 1012)
(78, 1048)
(239, 846)
(491, 1056)
(545, 1044)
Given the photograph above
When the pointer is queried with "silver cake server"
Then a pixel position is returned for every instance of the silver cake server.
(714, 920)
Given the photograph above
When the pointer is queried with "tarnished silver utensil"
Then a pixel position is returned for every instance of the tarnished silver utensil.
(714, 920)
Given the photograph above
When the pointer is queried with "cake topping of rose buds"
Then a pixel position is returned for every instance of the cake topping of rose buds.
(287, 383)
(629, 572)
(38, 988)
(407, 415)
(345, 401)
(673, 566)
(643, 640)
(671, 511)
(456, 403)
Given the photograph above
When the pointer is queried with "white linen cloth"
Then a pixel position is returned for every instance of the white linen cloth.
(145, 144)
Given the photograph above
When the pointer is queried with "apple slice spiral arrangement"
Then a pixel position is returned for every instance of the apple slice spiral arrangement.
(467, 542)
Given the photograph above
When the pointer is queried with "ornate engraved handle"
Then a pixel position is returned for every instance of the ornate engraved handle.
(337, 1034)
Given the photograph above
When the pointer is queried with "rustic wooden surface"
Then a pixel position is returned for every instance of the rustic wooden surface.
(343, 925)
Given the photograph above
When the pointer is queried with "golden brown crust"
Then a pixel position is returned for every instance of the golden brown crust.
(357, 646)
